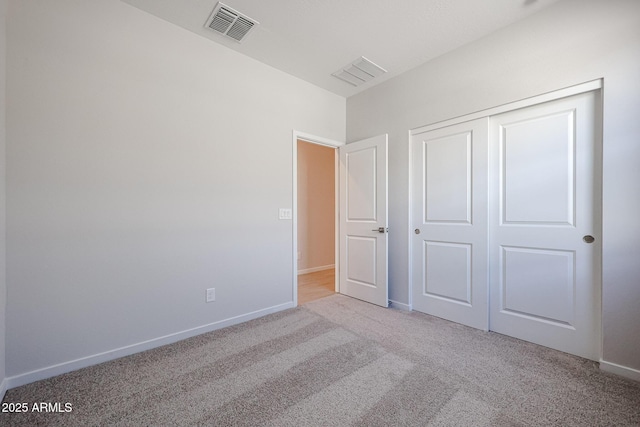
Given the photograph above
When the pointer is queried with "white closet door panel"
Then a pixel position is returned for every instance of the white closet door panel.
(449, 244)
(546, 199)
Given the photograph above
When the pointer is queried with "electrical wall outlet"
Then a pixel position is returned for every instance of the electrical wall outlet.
(211, 294)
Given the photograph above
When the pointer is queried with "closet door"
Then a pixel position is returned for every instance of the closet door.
(545, 230)
(449, 217)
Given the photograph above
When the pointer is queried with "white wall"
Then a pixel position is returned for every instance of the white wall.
(571, 42)
(3, 240)
(316, 206)
(145, 164)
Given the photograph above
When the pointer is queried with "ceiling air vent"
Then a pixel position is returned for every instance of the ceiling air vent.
(229, 22)
(359, 71)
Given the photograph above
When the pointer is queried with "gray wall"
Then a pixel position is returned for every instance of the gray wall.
(571, 42)
(145, 164)
(3, 239)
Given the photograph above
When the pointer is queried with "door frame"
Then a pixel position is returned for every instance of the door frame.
(330, 143)
(588, 86)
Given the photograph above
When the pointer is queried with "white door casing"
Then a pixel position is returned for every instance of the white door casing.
(363, 220)
(546, 196)
(449, 240)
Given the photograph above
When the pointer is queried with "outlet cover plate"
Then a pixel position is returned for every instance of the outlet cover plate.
(285, 213)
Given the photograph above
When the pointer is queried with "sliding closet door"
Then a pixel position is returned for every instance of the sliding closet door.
(545, 229)
(449, 236)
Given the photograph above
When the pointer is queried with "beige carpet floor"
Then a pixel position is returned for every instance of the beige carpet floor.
(338, 362)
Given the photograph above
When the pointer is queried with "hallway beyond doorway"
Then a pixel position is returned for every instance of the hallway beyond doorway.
(316, 285)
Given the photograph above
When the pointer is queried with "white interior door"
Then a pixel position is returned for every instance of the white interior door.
(545, 227)
(363, 220)
(449, 240)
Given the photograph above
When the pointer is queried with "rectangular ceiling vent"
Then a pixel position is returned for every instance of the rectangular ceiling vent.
(229, 22)
(359, 71)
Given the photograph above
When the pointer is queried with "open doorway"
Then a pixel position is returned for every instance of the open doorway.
(360, 217)
(316, 221)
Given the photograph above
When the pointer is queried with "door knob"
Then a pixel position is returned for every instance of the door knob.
(379, 230)
(417, 231)
(589, 239)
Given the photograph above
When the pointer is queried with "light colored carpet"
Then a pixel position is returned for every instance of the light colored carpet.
(339, 362)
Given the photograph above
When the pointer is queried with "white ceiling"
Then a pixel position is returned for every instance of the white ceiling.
(311, 39)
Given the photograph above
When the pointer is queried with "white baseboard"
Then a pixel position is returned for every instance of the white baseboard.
(623, 371)
(73, 365)
(4, 386)
(314, 269)
(399, 305)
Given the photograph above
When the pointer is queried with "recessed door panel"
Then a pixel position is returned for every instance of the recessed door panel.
(538, 156)
(447, 185)
(361, 185)
(538, 283)
(361, 260)
(448, 271)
